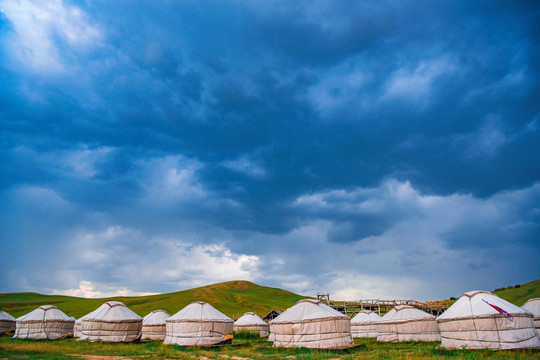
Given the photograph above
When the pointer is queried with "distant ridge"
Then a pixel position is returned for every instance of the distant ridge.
(519, 294)
(233, 298)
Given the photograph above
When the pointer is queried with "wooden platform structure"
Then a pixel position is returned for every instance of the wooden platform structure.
(380, 306)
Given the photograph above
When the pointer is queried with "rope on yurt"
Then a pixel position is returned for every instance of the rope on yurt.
(497, 327)
(474, 323)
(43, 323)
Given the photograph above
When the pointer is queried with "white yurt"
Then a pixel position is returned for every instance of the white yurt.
(199, 323)
(111, 322)
(406, 323)
(533, 306)
(364, 324)
(312, 324)
(473, 322)
(251, 322)
(7, 322)
(153, 325)
(45, 322)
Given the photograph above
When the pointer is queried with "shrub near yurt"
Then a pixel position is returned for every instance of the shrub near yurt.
(480, 319)
(533, 306)
(111, 322)
(45, 322)
(200, 324)
(311, 324)
(406, 323)
(153, 325)
(364, 324)
(251, 322)
(7, 323)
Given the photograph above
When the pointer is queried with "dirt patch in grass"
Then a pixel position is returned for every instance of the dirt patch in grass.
(100, 357)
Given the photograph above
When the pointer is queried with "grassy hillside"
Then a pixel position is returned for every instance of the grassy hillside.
(233, 298)
(519, 294)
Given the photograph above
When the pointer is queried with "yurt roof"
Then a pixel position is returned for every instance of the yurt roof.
(473, 303)
(200, 310)
(4, 316)
(113, 311)
(45, 313)
(532, 306)
(405, 312)
(250, 318)
(156, 317)
(365, 316)
(307, 309)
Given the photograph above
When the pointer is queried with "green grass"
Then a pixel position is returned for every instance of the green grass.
(233, 298)
(251, 349)
(519, 295)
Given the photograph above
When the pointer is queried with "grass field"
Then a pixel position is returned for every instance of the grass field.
(250, 349)
(233, 298)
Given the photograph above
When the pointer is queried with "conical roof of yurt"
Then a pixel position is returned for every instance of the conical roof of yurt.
(480, 319)
(251, 322)
(407, 323)
(111, 322)
(533, 306)
(312, 324)
(153, 325)
(364, 324)
(7, 322)
(45, 322)
(199, 323)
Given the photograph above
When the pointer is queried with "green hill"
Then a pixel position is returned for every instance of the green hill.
(233, 298)
(519, 294)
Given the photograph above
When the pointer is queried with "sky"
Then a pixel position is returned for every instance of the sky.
(369, 149)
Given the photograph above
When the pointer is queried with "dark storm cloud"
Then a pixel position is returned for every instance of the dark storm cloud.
(223, 123)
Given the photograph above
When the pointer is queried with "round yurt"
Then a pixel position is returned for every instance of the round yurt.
(312, 324)
(251, 322)
(200, 324)
(7, 323)
(480, 319)
(111, 322)
(364, 324)
(533, 306)
(153, 325)
(45, 322)
(406, 323)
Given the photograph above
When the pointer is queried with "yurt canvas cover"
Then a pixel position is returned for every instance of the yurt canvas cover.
(533, 306)
(45, 322)
(474, 324)
(251, 322)
(364, 324)
(311, 324)
(77, 328)
(153, 325)
(111, 322)
(199, 323)
(7, 322)
(406, 323)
